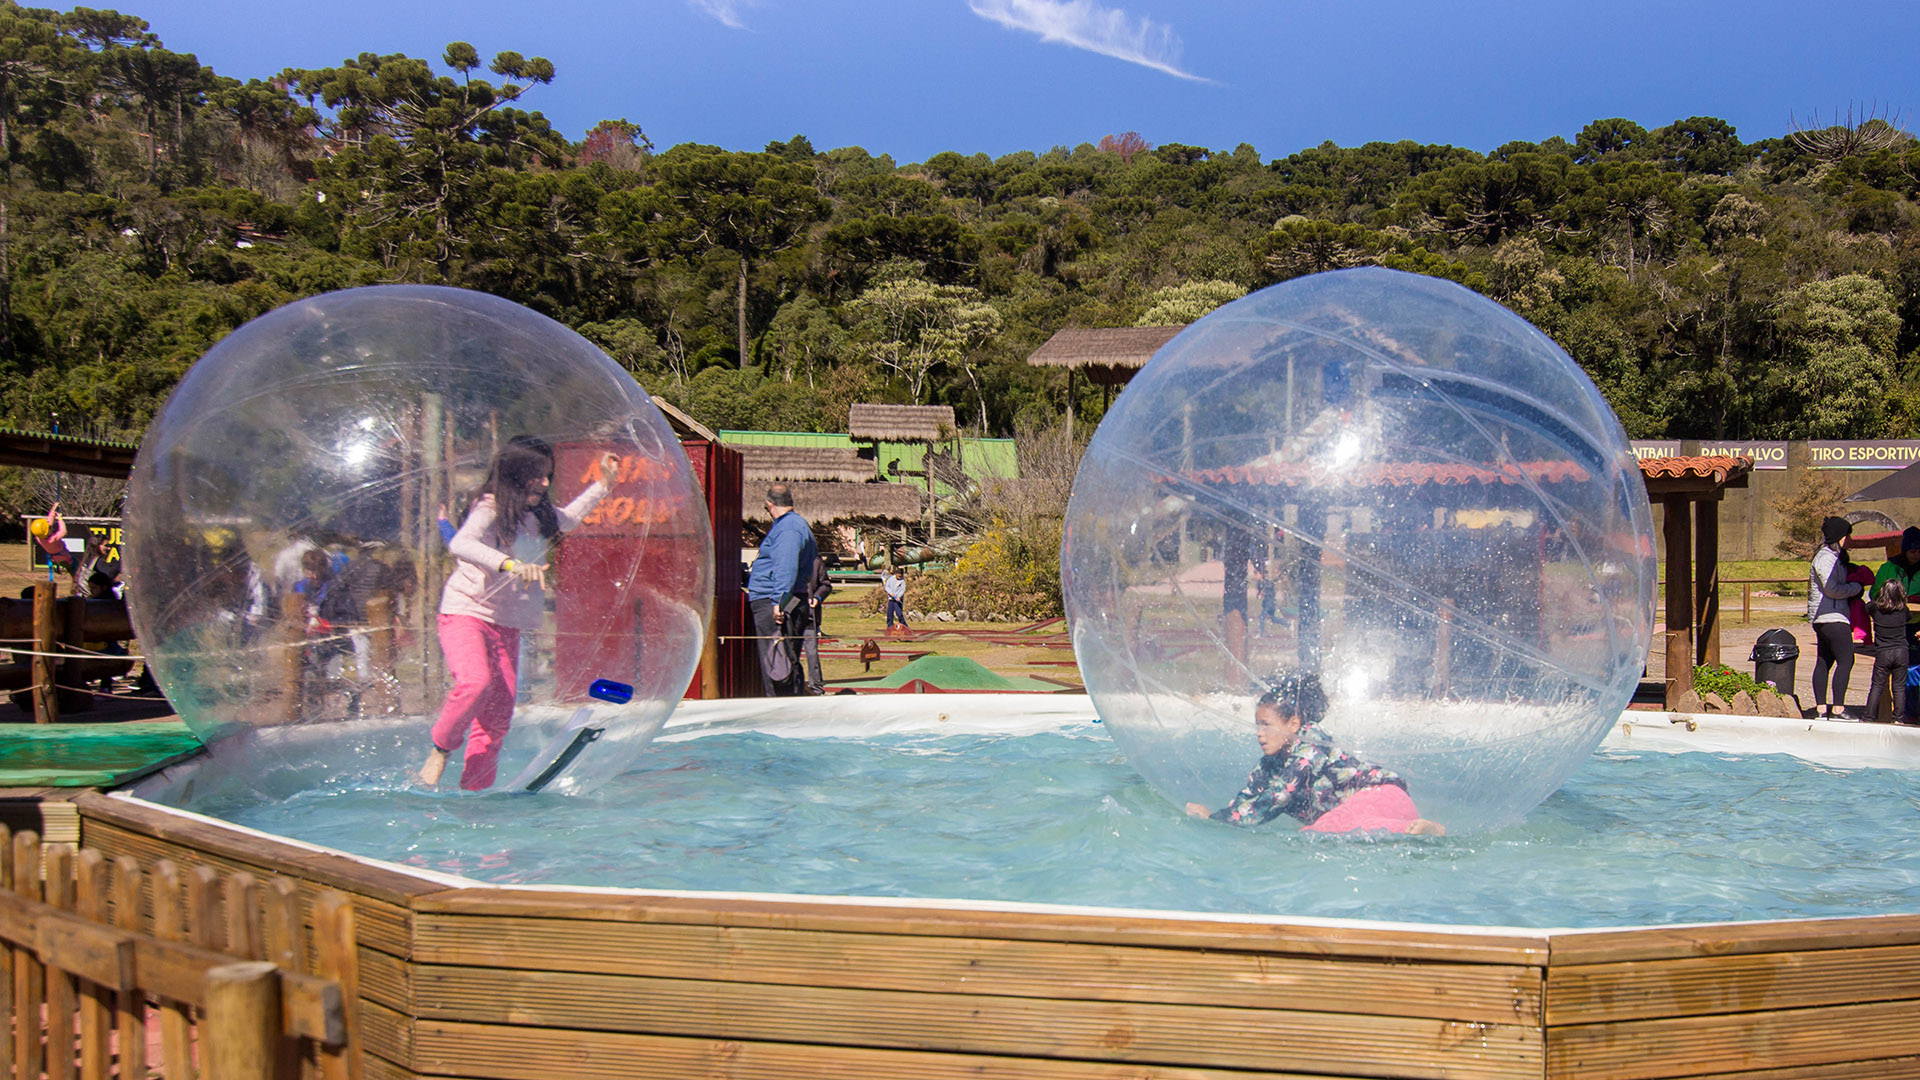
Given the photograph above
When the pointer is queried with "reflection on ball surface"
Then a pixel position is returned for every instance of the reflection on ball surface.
(286, 556)
(1391, 481)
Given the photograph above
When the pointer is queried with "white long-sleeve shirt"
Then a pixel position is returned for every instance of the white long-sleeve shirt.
(478, 588)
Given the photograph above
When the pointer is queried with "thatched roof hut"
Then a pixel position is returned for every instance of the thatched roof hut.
(764, 464)
(825, 502)
(901, 423)
(1109, 357)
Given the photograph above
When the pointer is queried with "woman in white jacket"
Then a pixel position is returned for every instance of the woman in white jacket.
(1828, 591)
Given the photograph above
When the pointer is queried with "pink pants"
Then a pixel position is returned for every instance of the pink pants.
(484, 661)
(1385, 807)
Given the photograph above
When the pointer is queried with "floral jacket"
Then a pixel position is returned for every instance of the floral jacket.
(1305, 780)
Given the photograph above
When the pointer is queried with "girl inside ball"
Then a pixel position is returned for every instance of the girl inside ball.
(1303, 774)
(495, 593)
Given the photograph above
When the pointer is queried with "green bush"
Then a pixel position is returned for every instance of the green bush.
(1725, 681)
(1009, 573)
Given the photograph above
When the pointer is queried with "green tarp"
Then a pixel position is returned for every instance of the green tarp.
(954, 673)
(90, 755)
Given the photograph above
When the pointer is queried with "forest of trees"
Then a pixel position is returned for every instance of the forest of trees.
(149, 205)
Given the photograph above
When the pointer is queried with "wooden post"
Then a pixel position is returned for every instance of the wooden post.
(169, 924)
(133, 1003)
(46, 626)
(28, 984)
(1311, 526)
(96, 1001)
(1679, 602)
(292, 633)
(381, 694)
(1706, 561)
(286, 942)
(62, 994)
(1235, 548)
(238, 1040)
(12, 959)
(336, 946)
(710, 660)
(1443, 649)
(1746, 604)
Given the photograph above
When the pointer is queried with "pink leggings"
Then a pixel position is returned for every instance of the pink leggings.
(1385, 807)
(484, 660)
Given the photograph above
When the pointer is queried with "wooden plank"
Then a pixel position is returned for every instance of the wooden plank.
(386, 979)
(380, 925)
(252, 850)
(62, 991)
(131, 1013)
(169, 924)
(11, 957)
(960, 1023)
(338, 958)
(29, 982)
(96, 999)
(1439, 943)
(1708, 1045)
(1598, 993)
(1903, 1068)
(512, 1053)
(1491, 993)
(1733, 939)
(387, 1033)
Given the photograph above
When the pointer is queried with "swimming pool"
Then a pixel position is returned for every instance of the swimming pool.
(888, 799)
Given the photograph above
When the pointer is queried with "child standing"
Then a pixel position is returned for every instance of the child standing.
(1303, 774)
(494, 593)
(1889, 649)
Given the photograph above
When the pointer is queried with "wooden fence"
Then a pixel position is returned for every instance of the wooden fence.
(101, 963)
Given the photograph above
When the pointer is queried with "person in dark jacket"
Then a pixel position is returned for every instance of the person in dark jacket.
(817, 589)
(1889, 613)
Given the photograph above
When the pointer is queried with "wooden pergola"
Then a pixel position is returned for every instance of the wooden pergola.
(1690, 489)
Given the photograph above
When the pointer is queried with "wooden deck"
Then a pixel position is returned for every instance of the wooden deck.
(484, 982)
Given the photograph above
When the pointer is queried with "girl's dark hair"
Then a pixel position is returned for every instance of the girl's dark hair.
(1891, 597)
(517, 468)
(1296, 693)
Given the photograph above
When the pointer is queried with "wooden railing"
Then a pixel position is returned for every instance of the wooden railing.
(99, 959)
(1746, 592)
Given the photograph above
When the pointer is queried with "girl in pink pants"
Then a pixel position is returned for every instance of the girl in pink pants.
(496, 592)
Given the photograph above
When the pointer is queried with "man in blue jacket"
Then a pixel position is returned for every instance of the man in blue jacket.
(777, 587)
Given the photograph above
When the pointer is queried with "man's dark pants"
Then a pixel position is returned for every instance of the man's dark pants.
(765, 629)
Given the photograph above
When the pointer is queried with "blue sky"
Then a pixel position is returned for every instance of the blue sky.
(915, 77)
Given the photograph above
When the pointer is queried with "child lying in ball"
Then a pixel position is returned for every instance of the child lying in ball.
(1303, 774)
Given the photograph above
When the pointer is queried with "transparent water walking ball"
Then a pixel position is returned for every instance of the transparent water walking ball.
(287, 519)
(1390, 481)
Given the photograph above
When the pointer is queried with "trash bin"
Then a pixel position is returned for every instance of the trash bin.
(1773, 659)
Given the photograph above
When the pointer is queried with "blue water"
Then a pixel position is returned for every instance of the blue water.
(1061, 818)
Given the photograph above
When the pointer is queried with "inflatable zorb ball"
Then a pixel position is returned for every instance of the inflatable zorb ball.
(286, 551)
(1384, 479)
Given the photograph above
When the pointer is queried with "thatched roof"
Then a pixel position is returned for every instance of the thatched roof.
(829, 503)
(1112, 350)
(684, 426)
(901, 423)
(763, 464)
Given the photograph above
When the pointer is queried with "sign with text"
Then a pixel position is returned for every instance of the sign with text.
(1862, 453)
(1765, 454)
(1656, 448)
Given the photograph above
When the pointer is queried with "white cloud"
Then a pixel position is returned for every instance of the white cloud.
(726, 11)
(1084, 24)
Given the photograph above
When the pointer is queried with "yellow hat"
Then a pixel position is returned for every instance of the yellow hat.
(41, 527)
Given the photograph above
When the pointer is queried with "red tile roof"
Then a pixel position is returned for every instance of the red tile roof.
(1719, 467)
